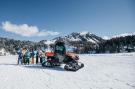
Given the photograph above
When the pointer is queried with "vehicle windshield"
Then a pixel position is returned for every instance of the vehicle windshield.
(68, 48)
(49, 49)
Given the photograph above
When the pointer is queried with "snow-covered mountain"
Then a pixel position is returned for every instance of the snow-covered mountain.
(123, 35)
(106, 37)
(118, 36)
(81, 37)
(83, 41)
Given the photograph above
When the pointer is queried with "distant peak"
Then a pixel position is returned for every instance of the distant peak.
(106, 38)
(48, 42)
(118, 35)
(123, 35)
(84, 33)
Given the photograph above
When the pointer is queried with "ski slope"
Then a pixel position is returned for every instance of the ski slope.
(101, 71)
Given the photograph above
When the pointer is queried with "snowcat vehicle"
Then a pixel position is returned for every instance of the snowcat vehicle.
(59, 56)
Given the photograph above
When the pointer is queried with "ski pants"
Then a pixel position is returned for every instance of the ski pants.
(19, 60)
(40, 59)
(27, 60)
(36, 59)
(24, 59)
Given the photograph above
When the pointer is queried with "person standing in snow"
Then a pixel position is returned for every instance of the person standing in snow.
(32, 55)
(40, 55)
(19, 57)
(27, 55)
(43, 56)
(23, 55)
(37, 55)
(60, 51)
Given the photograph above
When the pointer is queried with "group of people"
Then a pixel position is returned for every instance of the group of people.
(25, 56)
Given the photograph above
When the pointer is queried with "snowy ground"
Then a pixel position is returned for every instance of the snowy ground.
(102, 71)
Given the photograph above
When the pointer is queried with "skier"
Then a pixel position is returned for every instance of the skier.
(19, 56)
(27, 55)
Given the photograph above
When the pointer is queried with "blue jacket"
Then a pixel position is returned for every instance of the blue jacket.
(28, 55)
(19, 55)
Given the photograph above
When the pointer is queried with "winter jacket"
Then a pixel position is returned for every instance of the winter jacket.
(32, 54)
(23, 51)
(35, 53)
(28, 55)
(43, 55)
(19, 55)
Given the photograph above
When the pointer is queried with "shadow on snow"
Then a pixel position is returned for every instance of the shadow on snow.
(36, 66)
(40, 67)
(8, 64)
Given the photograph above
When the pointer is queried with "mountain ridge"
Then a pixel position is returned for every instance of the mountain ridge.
(83, 41)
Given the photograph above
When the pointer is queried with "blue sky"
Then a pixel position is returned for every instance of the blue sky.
(101, 17)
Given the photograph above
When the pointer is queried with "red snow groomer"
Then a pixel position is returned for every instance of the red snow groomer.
(59, 56)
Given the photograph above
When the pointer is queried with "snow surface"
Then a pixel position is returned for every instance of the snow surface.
(101, 71)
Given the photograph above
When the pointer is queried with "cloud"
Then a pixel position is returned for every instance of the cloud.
(26, 30)
(46, 33)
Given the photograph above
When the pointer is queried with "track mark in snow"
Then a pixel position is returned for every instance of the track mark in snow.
(130, 85)
(125, 83)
